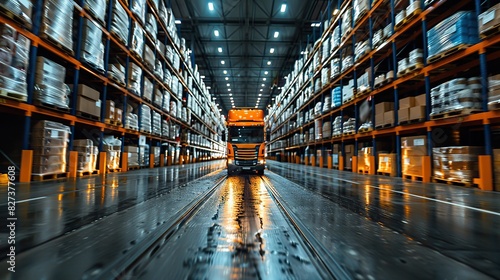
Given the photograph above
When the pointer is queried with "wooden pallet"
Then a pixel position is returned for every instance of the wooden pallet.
(130, 128)
(117, 37)
(14, 17)
(364, 92)
(490, 32)
(349, 133)
(13, 95)
(363, 171)
(413, 177)
(389, 174)
(407, 19)
(110, 122)
(337, 136)
(45, 177)
(144, 131)
(384, 126)
(452, 182)
(447, 52)
(411, 69)
(411, 121)
(114, 170)
(136, 55)
(494, 106)
(134, 167)
(57, 44)
(455, 113)
(350, 99)
(383, 83)
(86, 173)
(50, 106)
(116, 80)
(87, 116)
(365, 130)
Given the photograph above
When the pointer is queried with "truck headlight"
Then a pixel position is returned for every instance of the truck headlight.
(230, 161)
(262, 161)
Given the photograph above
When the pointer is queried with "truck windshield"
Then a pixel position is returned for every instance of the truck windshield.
(246, 134)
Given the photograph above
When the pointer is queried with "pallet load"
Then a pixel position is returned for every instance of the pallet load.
(88, 103)
(337, 127)
(349, 153)
(148, 90)
(494, 92)
(119, 22)
(112, 147)
(364, 164)
(459, 96)
(144, 155)
(49, 141)
(156, 151)
(384, 114)
(97, 8)
(412, 150)
(387, 164)
(50, 88)
(145, 124)
(456, 164)
(456, 32)
(133, 156)
(489, 21)
(14, 55)
(349, 127)
(134, 78)
(57, 21)
(366, 127)
(19, 9)
(92, 47)
(336, 97)
(156, 124)
(87, 155)
(496, 170)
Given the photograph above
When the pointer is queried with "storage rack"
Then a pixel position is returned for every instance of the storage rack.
(406, 33)
(204, 125)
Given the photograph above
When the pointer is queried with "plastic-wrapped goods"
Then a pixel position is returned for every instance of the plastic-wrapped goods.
(139, 9)
(361, 49)
(456, 164)
(412, 150)
(156, 129)
(318, 128)
(360, 9)
(347, 93)
(317, 109)
(151, 25)
(364, 158)
(368, 126)
(416, 58)
(137, 45)
(132, 121)
(22, 9)
(149, 58)
(158, 71)
(57, 17)
(336, 97)
(119, 22)
(144, 156)
(165, 128)
(92, 46)
(86, 155)
(350, 126)
(156, 152)
(145, 116)
(335, 68)
(347, 62)
(133, 155)
(174, 131)
(494, 92)
(158, 97)
(49, 141)
(387, 163)
(461, 28)
(117, 72)
(326, 49)
(346, 22)
(337, 127)
(326, 104)
(97, 8)
(489, 20)
(49, 84)
(112, 147)
(335, 40)
(378, 38)
(455, 95)
(148, 90)
(167, 78)
(134, 78)
(14, 53)
(327, 130)
(166, 102)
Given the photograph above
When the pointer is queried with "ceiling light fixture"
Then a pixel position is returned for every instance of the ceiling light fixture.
(269, 62)
(283, 8)
(219, 49)
(228, 85)
(228, 89)
(210, 6)
(265, 73)
(216, 33)
(225, 72)
(263, 85)
(260, 94)
(261, 89)
(222, 62)
(276, 34)
(178, 21)
(264, 79)
(271, 50)
(231, 95)
(203, 77)
(227, 78)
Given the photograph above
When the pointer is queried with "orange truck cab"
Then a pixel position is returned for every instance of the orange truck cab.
(246, 140)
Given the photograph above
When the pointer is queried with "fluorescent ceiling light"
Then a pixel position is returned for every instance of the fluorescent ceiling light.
(203, 77)
(210, 6)
(178, 21)
(263, 85)
(225, 72)
(219, 49)
(264, 79)
(228, 85)
(269, 62)
(261, 89)
(276, 34)
(260, 94)
(271, 50)
(216, 33)
(265, 73)
(283, 8)
(209, 87)
(227, 78)
(231, 95)
(228, 89)
(258, 98)
(222, 62)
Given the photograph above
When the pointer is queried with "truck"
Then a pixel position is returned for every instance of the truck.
(246, 146)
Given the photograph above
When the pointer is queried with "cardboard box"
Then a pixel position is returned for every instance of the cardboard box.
(88, 106)
(414, 146)
(417, 113)
(118, 114)
(383, 107)
(489, 19)
(131, 149)
(403, 115)
(348, 148)
(110, 110)
(420, 100)
(86, 91)
(407, 102)
(389, 117)
(379, 119)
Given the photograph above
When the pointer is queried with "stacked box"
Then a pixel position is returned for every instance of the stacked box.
(14, 55)
(49, 141)
(412, 150)
(138, 8)
(137, 43)
(404, 108)
(384, 113)
(134, 78)
(156, 127)
(49, 83)
(336, 97)
(364, 158)
(417, 112)
(132, 121)
(327, 130)
(88, 100)
(133, 155)
(148, 90)
(349, 153)
(349, 126)
(97, 8)
(496, 168)
(460, 28)
(87, 155)
(387, 164)
(158, 97)
(494, 92)
(456, 164)
(117, 71)
(489, 19)
(455, 95)
(145, 118)
(57, 21)
(120, 22)
(20, 8)
(92, 47)
(110, 110)
(337, 127)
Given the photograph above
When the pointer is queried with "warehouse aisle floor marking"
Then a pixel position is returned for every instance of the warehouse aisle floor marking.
(31, 199)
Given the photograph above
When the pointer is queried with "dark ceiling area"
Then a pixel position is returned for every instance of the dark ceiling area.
(245, 48)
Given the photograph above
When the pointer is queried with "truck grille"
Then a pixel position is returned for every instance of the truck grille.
(246, 156)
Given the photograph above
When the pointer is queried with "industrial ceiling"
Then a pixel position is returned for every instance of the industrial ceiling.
(245, 48)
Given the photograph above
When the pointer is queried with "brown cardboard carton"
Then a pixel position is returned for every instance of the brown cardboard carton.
(118, 114)
(417, 112)
(383, 107)
(414, 146)
(349, 148)
(379, 119)
(420, 100)
(389, 117)
(88, 106)
(407, 102)
(87, 91)
(489, 19)
(110, 110)
(403, 115)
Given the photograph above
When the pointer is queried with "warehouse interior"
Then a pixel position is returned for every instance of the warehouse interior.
(381, 136)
